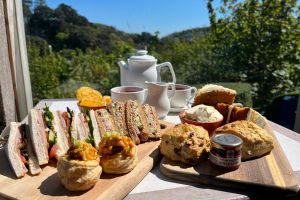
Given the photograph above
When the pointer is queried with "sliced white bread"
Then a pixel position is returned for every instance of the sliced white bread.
(13, 152)
(33, 164)
(38, 135)
(96, 131)
(62, 142)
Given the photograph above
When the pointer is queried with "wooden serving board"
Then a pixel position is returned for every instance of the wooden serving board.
(47, 184)
(269, 173)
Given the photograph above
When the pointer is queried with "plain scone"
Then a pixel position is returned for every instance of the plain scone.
(186, 143)
(212, 94)
(256, 141)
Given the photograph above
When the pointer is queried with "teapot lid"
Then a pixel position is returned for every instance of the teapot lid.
(141, 55)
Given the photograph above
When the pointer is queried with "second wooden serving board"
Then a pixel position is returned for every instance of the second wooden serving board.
(271, 172)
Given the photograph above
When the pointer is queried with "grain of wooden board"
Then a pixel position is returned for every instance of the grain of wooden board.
(47, 185)
(269, 173)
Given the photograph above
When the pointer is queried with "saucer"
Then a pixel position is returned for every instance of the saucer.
(177, 110)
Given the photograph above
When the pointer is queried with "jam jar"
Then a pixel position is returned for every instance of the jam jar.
(226, 151)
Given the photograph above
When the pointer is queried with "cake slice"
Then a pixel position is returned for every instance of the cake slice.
(212, 94)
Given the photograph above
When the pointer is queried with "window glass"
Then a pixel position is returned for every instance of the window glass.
(250, 46)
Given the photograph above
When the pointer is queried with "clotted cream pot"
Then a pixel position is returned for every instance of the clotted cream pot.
(142, 67)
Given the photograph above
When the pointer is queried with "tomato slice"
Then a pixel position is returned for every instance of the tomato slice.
(53, 151)
(23, 159)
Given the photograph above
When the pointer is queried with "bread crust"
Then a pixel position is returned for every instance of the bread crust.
(38, 135)
(118, 111)
(256, 141)
(96, 131)
(212, 94)
(105, 124)
(239, 113)
(78, 175)
(134, 111)
(152, 121)
(13, 152)
(33, 164)
(186, 143)
(63, 142)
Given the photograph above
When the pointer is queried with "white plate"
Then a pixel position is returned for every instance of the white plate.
(177, 110)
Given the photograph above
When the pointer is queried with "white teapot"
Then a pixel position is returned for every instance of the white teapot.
(142, 67)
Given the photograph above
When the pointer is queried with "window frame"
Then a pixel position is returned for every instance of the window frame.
(18, 56)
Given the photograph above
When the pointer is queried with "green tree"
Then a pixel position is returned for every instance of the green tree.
(65, 13)
(146, 40)
(259, 41)
(27, 5)
(38, 3)
(41, 22)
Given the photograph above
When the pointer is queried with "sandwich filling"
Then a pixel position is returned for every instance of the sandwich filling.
(68, 117)
(16, 149)
(59, 143)
(105, 119)
(150, 119)
(137, 117)
(91, 138)
(83, 127)
(49, 118)
(42, 129)
(118, 111)
(20, 145)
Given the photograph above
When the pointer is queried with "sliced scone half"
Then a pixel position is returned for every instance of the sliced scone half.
(256, 141)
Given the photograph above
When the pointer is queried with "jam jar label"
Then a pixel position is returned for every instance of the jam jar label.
(225, 158)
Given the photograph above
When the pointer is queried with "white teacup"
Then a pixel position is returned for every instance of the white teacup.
(124, 93)
(183, 95)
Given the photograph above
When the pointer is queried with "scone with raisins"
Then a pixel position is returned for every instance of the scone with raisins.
(186, 143)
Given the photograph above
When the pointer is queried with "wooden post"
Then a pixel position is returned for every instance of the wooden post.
(18, 56)
(7, 97)
(23, 89)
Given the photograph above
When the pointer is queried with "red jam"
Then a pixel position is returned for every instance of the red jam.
(226, 151)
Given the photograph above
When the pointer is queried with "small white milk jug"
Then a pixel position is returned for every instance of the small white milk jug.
(159, 98)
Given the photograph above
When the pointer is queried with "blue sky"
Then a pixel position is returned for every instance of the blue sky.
(133, 16)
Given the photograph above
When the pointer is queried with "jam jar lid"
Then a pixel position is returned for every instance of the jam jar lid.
(226, 139)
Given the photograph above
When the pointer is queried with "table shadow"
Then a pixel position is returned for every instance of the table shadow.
(53, 187)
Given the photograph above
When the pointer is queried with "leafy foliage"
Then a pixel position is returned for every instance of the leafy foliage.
(248, 41)
(59, 74)
(64, 28)
(259, 41)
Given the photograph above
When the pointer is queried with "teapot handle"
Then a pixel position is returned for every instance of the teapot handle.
(173, 90)
(165, 64)
(193, 94)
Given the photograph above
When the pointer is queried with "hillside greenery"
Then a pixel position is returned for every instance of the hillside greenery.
(250, 41)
